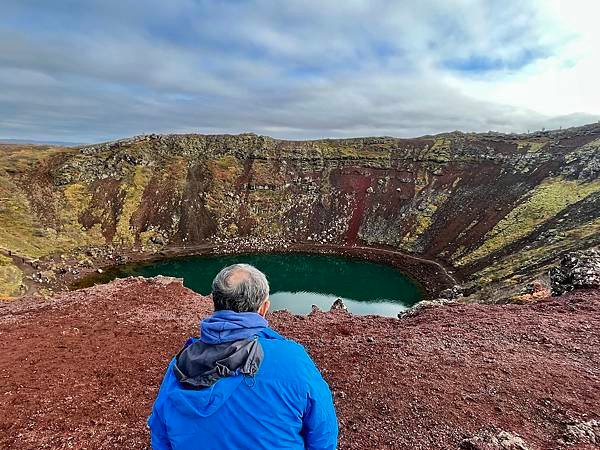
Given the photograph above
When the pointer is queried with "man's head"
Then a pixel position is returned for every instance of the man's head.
(241, 288)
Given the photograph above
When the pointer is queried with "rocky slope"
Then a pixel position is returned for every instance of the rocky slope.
(494, 209)
(82, 370)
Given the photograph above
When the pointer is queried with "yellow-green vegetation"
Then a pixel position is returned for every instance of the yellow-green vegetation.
(265, 173)
(441, 144)
(76, 199)
(329, 150)
(423, 218)
(530, 146)
(19, 158)
(508, 265)
(544, 202)
(22, 229)
(133, 191)
(440, 150)
(16, 222)
(23, 232)
(148, 237)
(231, 230)
(11, 278)
(177, 169)
(226, 169)
(266, 208)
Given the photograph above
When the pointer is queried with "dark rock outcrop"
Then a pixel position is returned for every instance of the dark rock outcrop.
(576, 271)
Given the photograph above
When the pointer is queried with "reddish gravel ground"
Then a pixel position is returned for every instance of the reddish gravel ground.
(82, 370)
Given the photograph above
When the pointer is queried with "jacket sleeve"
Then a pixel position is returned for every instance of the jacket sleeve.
(319, 423)
(159, 440)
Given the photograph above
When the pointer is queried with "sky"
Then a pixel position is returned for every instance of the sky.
(97, 70)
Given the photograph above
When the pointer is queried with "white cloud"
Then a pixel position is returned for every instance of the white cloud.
(296, 69)
(561, 84)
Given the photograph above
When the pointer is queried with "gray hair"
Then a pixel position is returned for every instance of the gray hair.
(239, 288)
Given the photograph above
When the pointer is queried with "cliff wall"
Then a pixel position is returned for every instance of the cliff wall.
(495, 208)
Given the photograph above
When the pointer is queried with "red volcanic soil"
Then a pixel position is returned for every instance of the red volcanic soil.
(82, 370)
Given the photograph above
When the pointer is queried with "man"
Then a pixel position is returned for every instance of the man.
(242, 385)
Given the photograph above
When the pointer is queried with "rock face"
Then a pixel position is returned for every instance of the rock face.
(339, 305)
(495, 207)
(577, 270)
(583, 432)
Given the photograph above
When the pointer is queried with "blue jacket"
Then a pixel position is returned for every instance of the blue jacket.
(286, 405)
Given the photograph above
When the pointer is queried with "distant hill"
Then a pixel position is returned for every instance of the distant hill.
(34, 142)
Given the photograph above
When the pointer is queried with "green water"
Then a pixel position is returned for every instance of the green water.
(297, 280)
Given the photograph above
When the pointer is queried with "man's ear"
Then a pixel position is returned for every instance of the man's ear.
(264, 307)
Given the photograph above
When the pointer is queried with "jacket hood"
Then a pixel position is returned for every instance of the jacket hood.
(228, 352)
(227, 326)
(201, 365)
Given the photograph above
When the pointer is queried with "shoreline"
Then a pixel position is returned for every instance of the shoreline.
(431, 275)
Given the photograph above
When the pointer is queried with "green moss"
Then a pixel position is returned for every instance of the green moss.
(530, 146)
(11, 278)
(21, 228)
(507, 266)
(423, 218)
(329, 149)
(76, 199)
(231, 230)
(265, 209)
(22, 232)
(227, 162)
(178, 170)
(20, 158)
(133, 190)
(441, 145)
(225, 169)
(440, 150)
(540, 205)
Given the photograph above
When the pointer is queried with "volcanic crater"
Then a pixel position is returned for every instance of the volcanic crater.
(475, 218)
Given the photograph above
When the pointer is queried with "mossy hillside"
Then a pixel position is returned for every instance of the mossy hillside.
(266, 209)
(11, 278)
(440, 150)
(21, 231)
(21, 158)
(170, 187)
(332, 149)
(422, 219)
(221, 200)
(170, 184)
(541, 204)
(531, 146)
(579, 237)
(25, 235)
(133, 190)
(74, 202)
